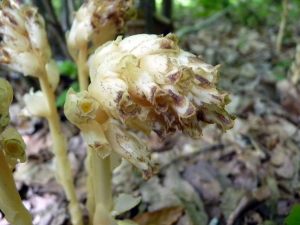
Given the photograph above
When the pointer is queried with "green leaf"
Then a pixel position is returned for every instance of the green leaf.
(294, 217)
(60, 100)
(68, 68)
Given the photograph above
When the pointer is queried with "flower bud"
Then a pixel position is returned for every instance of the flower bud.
(81, 109)
(36, 104)
(13, 146)
(52, 73)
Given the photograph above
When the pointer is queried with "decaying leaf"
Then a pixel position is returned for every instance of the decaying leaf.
(164, 216)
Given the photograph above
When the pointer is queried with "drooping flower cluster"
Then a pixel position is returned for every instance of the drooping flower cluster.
(147, 83)
(24, 48)
(96, 22)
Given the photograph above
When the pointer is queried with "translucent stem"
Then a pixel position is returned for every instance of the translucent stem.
(102, 181)
(99, 174)
(82, 68)
(90, 202)
(63, 169)
(11, 203)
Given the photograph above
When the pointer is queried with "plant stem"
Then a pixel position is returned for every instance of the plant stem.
(11, 203)
(90, 202)
(99, 174)
(82, 69)
(63, 168)
(102, 181)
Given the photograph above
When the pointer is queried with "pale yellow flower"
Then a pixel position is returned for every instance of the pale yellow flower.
(13, 146)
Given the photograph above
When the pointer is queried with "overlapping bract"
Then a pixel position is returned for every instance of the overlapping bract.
(148, 83)
(105, 135)
(24, 47)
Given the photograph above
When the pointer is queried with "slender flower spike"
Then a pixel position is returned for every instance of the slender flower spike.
(24, 47)
(148, 83)
(97, 22)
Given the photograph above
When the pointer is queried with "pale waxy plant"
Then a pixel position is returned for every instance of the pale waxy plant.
(24, 48)
(12, 151)
(147, 83)
(95, 23)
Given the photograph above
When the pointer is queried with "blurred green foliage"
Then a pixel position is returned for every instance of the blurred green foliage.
(281, 67)
(249, 13)
(69, 69)
(294, 217)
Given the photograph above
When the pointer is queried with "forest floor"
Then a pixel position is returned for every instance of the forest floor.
(247, 176)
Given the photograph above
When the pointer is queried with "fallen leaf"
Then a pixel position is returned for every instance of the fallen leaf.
(164, 216)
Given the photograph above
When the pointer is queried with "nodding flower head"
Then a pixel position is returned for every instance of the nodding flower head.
(148, 83)
(97, 22)
(24, 47)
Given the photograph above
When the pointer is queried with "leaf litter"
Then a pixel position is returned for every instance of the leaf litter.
(249, 175)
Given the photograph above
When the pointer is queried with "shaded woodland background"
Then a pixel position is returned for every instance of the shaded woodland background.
(247, 176)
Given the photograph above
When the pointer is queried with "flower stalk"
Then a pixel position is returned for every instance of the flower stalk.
(95, 23)
(147, 83)
(12, 151)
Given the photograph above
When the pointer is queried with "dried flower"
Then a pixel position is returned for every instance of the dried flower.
(24, 47)
(149, 83)
(97, 22)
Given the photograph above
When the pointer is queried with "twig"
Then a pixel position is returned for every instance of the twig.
(282, 26)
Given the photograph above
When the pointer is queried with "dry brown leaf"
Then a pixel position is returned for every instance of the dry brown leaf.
(164, 216)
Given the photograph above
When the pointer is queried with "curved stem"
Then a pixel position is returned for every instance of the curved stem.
(11, 203)
(63, 168)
